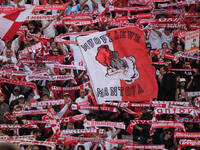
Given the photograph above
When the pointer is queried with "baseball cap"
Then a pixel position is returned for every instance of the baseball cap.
(182, 80)
(21, 96)
(66, 94)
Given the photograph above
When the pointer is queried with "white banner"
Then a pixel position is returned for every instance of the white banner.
(192, 41)
(115, 60)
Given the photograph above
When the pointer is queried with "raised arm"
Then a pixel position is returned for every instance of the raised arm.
(83, 2)
(158, 32)
(46, 25)
(116, 132)
(95, 3)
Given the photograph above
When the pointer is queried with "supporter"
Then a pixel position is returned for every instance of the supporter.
(83, 145)
(107, 145)
(148, 46)
(55, 52)
(71, 8)
(3, 107)
(167, 139)
(83, 100)
(37, 134)
(46, 88)
(15, 94)
(48, 27)
(8, 58)
(166, 36)
(165, 48)
(181, 88)
(155, 39)
(179, 48)
(172, 46)
(67, 98)
(89, 5)
(70, 125)
(101, 5)
(20, 102)
(53, 45)
(7, 3)
(141, 131)
(167, 83)
(35, 147)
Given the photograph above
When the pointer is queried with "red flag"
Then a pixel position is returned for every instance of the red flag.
(119, 66)
(11, 22)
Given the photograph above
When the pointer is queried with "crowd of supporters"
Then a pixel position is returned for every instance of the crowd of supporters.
(36, 46)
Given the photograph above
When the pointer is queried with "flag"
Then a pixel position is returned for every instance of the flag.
(11, 22)
(118, 65)
(192, 41)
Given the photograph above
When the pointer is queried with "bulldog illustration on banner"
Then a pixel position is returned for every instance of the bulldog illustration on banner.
(118, 65)
(124, 68)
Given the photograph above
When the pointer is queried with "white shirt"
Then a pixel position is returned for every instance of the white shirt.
(155, 40)
(50, 30)
(83, 101)
(12, 98)
(15, 46)
(110, 133)
(2, 45)
(78, 57)
(166, 38)
(4, 59)
(90, 5)
(107, 144)
(100, 7)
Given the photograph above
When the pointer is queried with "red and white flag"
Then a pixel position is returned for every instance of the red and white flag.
(118, 65)
(10, 23)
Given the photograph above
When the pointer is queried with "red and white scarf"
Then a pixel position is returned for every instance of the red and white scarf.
(94, 108)
(81, 131)
(166, 124)
(50, 7)
(186, 135)
(29, 112)
(193, 94)
(26, 137)
(61, 120)
(65, 66)
(41, 143)
(170, 103)
(48, 103)
(136, 146)
(50, 78)
(127, 104)
(187, 2)
(175, 110)
(134, 122)
(16, 82)
(35, 61)
(161, 63)
(41, 17)
(186, 142)
(88, 123)
(74, 88)
(141, 8)
(165, 55)
(16, 126)
(161, 20)
(167, 11)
